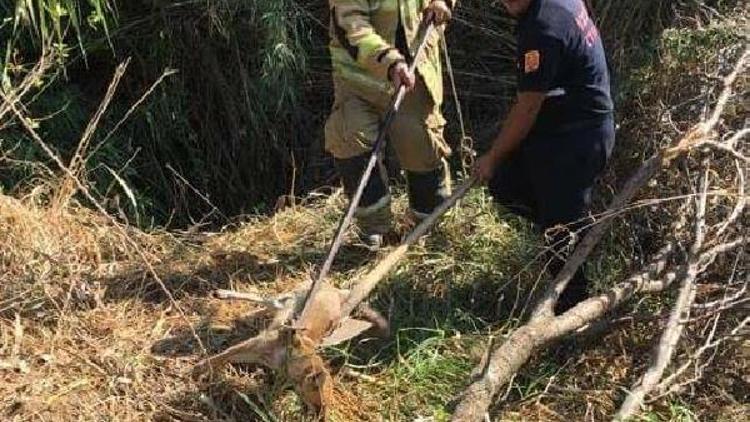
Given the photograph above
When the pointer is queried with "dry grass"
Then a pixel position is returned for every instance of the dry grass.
(87, 334)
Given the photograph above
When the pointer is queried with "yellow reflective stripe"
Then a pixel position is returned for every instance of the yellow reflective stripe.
(369, 46)
(347, 69)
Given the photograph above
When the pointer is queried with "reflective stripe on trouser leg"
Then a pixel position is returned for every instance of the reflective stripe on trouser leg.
(374, 211)
(428, 189)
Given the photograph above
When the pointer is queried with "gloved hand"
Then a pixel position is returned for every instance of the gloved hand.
(440, 10)
(401, 75)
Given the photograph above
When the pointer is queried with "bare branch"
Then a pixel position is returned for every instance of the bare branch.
(68, 188)
(167, 73)
(726, 148)
(732, 141)
(544, 327)
(741, 201)
(727, 92)
(14, 96)
(669, 386)
(592, 238)
(694, 137)
(671, 336)
(505, 361)
(707, 257)
(736, 297)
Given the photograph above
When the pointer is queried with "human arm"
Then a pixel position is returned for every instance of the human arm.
(356, 32)
(538, 64)
(516, 127)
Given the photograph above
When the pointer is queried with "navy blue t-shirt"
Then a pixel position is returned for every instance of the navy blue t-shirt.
(560, 53)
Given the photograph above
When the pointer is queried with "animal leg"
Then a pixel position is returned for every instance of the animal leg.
(265, 349)
(278, 302)
(380, 326)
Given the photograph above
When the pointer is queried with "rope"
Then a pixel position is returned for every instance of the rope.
(466, 144)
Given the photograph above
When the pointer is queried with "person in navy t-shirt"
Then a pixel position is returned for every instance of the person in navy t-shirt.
(559, 134)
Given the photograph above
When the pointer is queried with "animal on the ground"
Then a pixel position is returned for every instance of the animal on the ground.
(293, 349)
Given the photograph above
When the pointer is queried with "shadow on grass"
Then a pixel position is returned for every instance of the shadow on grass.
(183, 278)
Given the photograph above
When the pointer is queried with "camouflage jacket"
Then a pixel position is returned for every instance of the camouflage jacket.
(363, 39)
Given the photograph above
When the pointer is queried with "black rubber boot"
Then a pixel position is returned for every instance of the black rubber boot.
(427, 190)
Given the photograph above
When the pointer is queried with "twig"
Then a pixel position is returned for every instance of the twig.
(668, 386)
(726, 148)
(29, 81)
(727, 91)
(741, 201)
(77, 163)
(709, 256)
(731, 142)
(200, 194)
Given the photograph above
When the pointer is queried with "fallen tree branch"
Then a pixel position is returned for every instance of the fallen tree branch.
(507, 359)
(543, 327)
(669, 385)
(671, 336)
(661, 159)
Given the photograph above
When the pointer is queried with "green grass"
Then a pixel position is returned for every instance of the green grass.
(676, 411)
(32, 26)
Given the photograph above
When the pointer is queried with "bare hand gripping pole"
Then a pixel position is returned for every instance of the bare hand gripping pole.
(426, 27)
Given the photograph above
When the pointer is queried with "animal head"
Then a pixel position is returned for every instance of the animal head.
(316, 388)
(308, 373)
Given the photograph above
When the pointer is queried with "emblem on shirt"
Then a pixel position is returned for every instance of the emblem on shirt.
(531, 61)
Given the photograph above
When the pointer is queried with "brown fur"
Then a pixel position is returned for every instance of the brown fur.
(293, 349)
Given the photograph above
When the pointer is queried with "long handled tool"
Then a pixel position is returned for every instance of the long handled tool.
(426, 27)
(365, 285)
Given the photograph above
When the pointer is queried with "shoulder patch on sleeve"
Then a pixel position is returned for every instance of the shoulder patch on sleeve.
(531, 61)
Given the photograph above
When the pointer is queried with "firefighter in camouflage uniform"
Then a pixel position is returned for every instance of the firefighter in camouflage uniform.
(371, 42)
